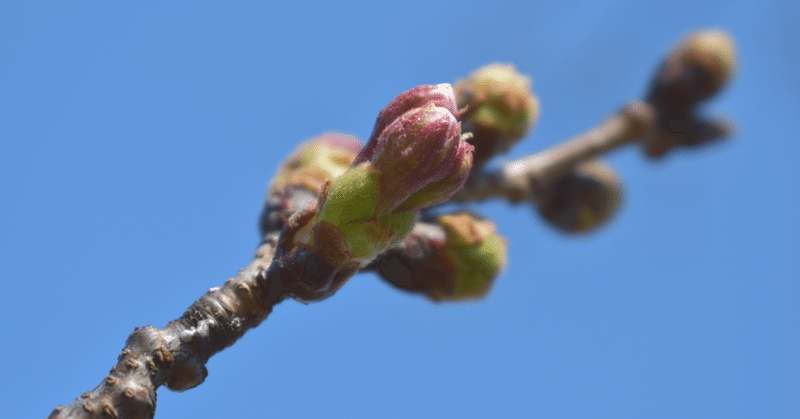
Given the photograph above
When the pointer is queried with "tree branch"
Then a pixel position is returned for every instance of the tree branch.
(175, 356)
(526, 179)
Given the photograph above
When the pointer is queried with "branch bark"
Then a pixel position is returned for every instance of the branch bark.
(526, 179)
(175, 356)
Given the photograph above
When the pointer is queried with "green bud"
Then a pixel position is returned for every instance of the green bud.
(317, 161)
(500, 109)
(454, 257)
(303, 175)
(477, 254)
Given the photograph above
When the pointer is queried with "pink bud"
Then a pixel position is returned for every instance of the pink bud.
(417, 150)
(441, 95)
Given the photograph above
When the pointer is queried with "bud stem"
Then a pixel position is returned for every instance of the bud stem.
(525, 179)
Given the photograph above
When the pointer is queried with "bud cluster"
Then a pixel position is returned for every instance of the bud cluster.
(353, 208)
(415, 158)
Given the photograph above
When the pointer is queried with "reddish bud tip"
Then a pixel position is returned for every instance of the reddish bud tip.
(417, 150)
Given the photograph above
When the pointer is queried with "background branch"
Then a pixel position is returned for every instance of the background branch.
(526, 179)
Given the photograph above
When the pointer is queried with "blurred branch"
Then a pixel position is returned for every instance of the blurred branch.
(526, 179)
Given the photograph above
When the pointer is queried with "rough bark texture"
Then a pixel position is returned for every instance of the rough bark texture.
(175, 356)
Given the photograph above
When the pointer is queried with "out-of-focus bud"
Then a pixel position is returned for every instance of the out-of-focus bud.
(317, 161)
(478, 254)
(696, 69)
(302, 176)
(584, 199)
(500, 110)
(452, 258)
(415, 158)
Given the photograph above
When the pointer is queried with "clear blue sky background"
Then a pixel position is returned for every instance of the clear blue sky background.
(136, 142)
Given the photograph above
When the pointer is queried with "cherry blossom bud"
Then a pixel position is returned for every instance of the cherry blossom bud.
(317, 161)
(303, 175)
(440, 95)
(477, 254)
(455, 257)
(584, 199)
(417, 157)
(417, 160)
(500, 108)
(695, 70)
(424, 157)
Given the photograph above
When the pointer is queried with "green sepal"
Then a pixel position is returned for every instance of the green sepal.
(352, 197)
(368, 239)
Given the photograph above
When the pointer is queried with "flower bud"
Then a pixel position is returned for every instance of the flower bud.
(477, 253)
(303, 175)
(317, 161)
(440, 95)
(452, 258)
(695, 70)
(500, 108)
(425, 159)
(584, 199)
(418, 159)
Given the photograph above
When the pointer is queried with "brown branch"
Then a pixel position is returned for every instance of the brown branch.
(175, 356)
(526, 179)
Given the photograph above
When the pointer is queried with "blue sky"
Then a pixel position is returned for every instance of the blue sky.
(137, 140)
